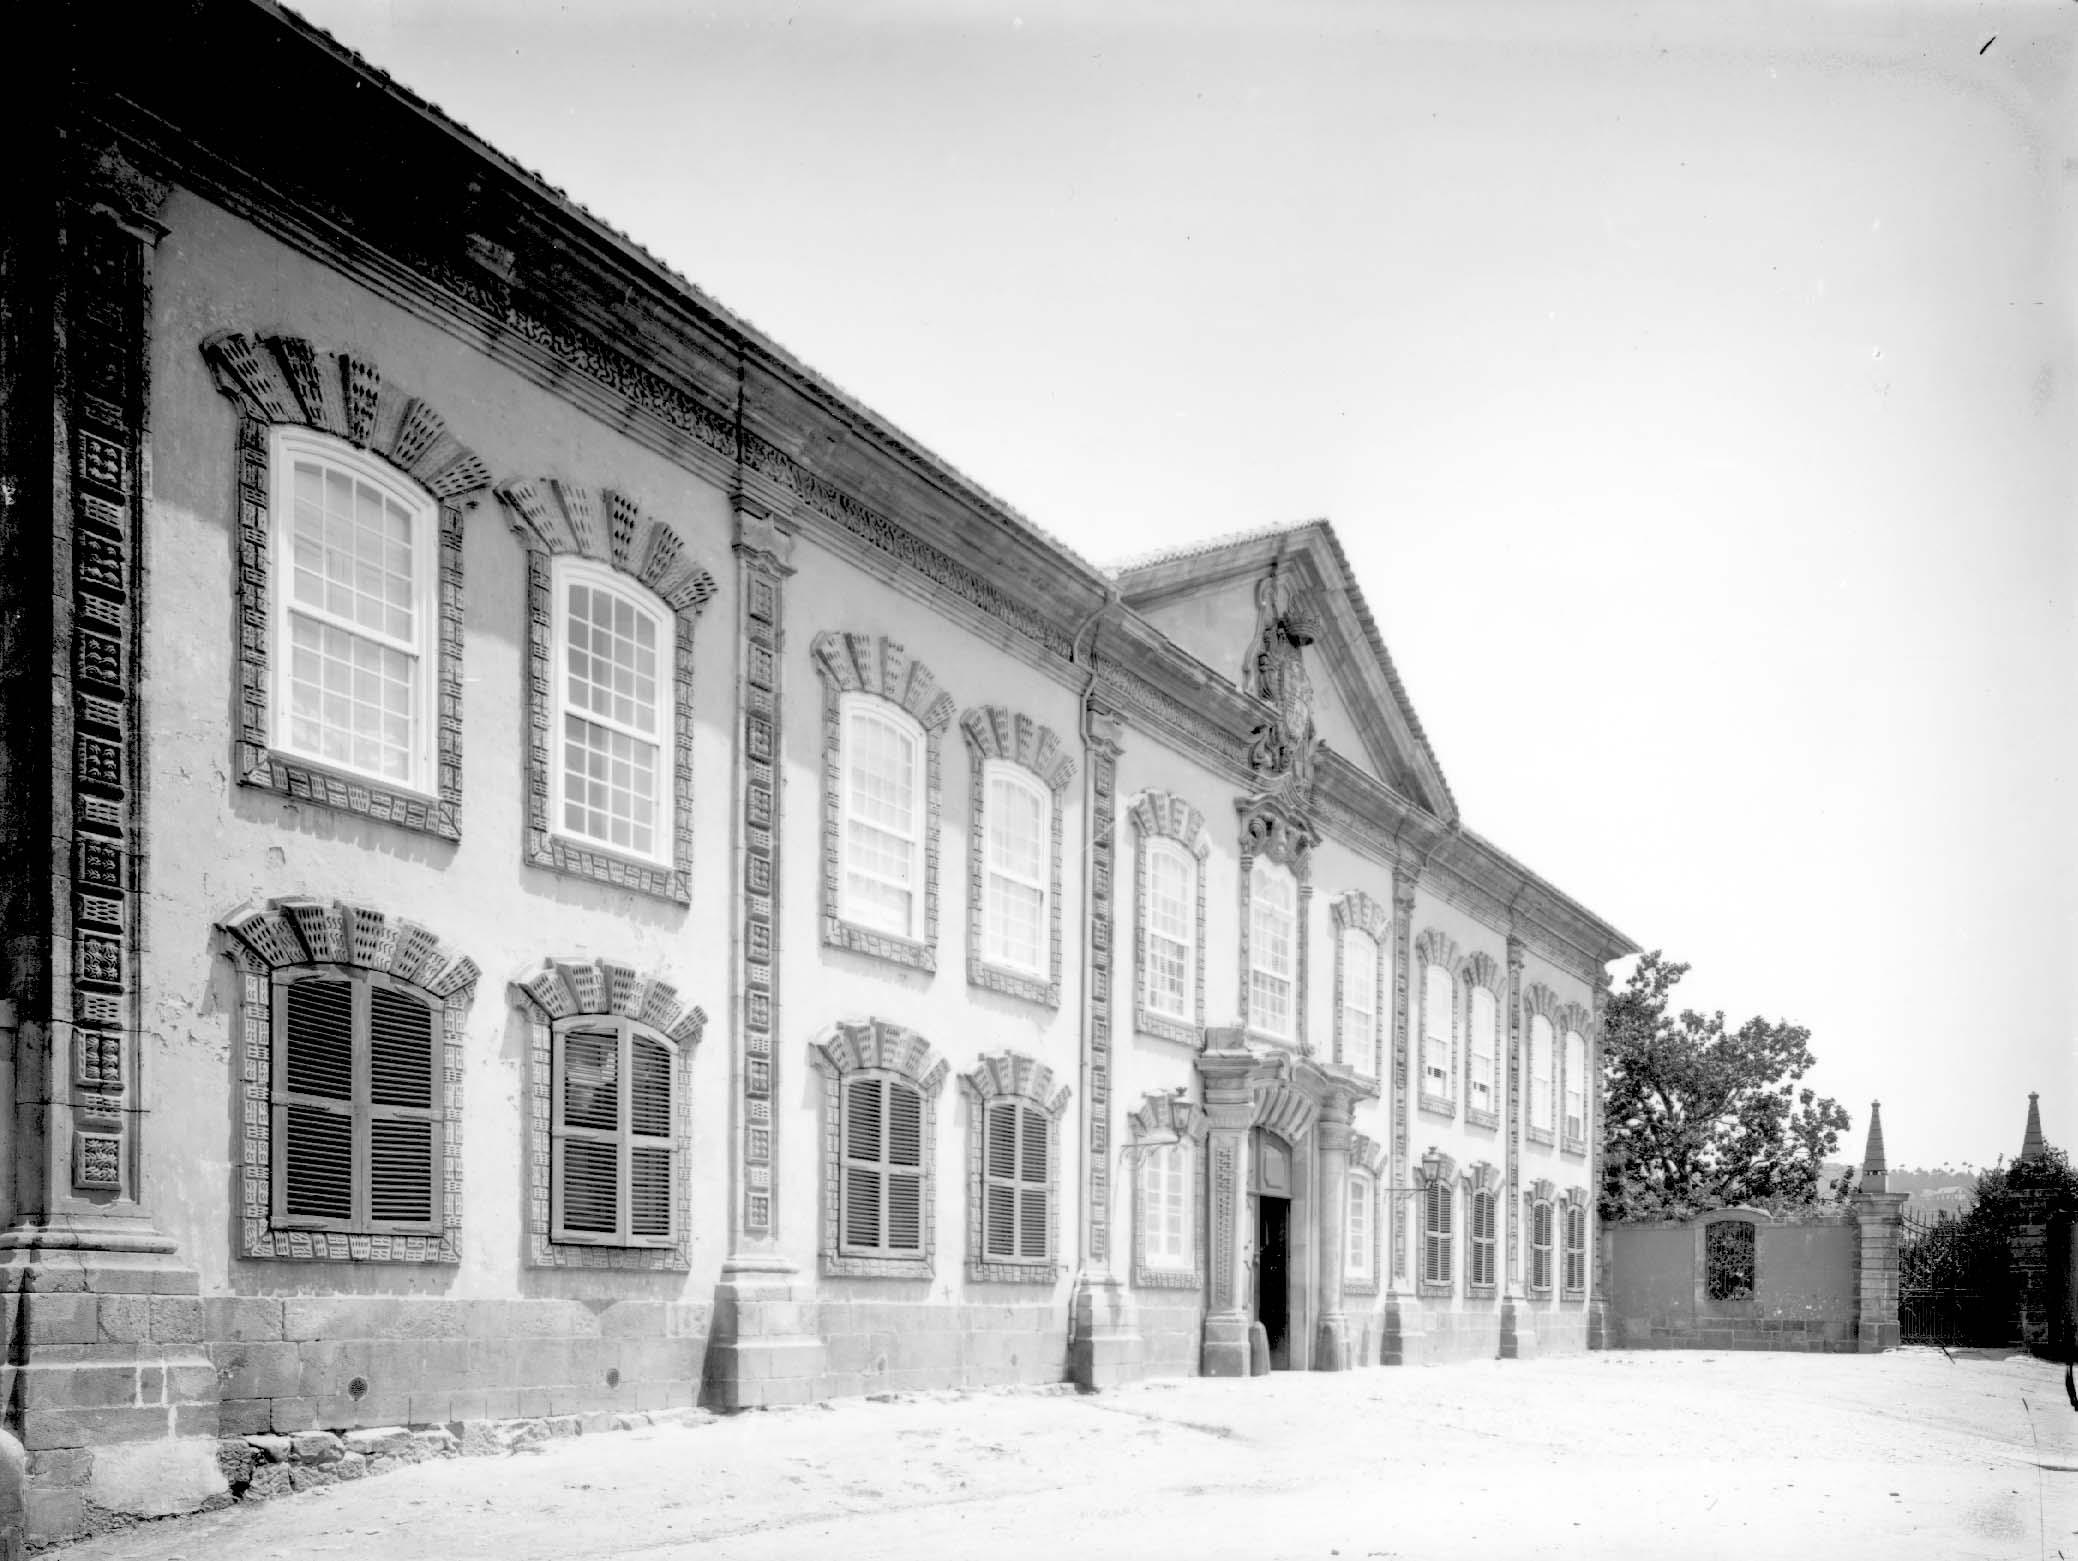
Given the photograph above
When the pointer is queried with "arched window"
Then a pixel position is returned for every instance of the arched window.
(883, 1167)
(1540, 1246)
(1436, 1232)
(1169, 930)
(1017, 823)
(614, 659)
(880, 1094)
(1435, 1031)
(1017, 1181)
(1358, 951)
(1484, 1096)
(613, 1134)
(1575, 1275)
(1359, 1256)
(883, 817)
(356, 611)
(1576, 1090)
(1540, 1075)
(1167, 1235)
(1273, 950)
(1480, 1276)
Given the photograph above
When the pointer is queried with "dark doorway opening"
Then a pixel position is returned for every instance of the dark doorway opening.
(1273, 1303)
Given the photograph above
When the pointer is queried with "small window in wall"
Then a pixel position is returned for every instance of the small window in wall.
(357, 1104)
(883, 1166)
(1485, 1095)
(1728, 1260)
(1017, 1185)
(1540, 1246)
(1435, 1032)
(613, 1136)
(1359, 1257)
(357, 615)
(1018, 825)
(1166, 1209)
(1435, 1233)
(883, 828)
(1359, 955)
(1575, 1275)
(1481, 1274)
(1273, 945)
(1576, 1090)
(1540, 1075)
(613, 720)
(1168, 968)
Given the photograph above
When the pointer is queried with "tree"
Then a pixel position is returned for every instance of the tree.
(2024, 1191)
(1699, 1116)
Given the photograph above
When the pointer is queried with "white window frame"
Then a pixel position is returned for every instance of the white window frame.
(853, 708)
(1540, 1082)
(1574, 1061)
(1491, 1056)
(1358, 951)
(1158, 848)
(286, 442)
(1259, 908)
(1436, 1081)
(1163, 1161)
(996, 772)
(565, 570)
(1359, 1211)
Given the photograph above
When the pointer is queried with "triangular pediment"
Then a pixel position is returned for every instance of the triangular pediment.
(1206, 598)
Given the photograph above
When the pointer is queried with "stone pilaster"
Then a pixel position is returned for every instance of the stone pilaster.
(1399, 1100)
(765, 1345)
(1331, 1130)
(1104, 1347)
(1225, 1065)
(1518, 1327)
(1881, 1217)
(1597, 1272)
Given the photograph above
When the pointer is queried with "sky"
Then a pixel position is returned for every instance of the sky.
(1693, 388)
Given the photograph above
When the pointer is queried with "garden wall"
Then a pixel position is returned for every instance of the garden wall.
(1736, 1279)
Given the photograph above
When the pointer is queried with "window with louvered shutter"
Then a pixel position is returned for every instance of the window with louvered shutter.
(356, 1104)
(882, 1192)
(1540, 1246)
(612, 1135)
(1576, 1247)
(1435, 1234)
(1015, 1186)
(1482, 1222)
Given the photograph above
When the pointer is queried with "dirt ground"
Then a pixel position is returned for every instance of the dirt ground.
(1659, 1455)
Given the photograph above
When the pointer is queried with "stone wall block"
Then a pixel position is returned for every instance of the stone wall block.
(126, 1319)
(633, 1320)
(177, 1319)
(89, 1427)
(64, 1317)
(292, 1415)
(240, 1318)
(257, 1370)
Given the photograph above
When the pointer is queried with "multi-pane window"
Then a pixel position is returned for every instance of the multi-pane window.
(1435, 1232)
(1576, 1087)
(1576, 1247)
(883, 793)
(1014, 1182)
(882, 1164)
(355, 630)
(612, 1135)
(1358, 1256)
(1018, 824)
(1273, 949)
(1170, 922)
(1435, 1031)
(357, 1103)
(1485, 1049)
(1484, 1205)
(1359, 998)
(1165, 1203)
(1540, 1073)
(1540, 1244)
(613, 720)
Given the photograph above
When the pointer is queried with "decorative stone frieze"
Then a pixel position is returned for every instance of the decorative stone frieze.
(554, 519)
(997, 734)
(288, 933)
(574, 989)
(286, 381)
(876, 1046)
(876, 665)
(1161, 815)
(1012, 1077)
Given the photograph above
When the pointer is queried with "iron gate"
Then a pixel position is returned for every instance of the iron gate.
(1955, 1285)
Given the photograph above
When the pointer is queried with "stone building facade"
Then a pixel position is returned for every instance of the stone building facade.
(566, 865)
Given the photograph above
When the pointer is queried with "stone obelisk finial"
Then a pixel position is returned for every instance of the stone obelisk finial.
(2032, 1144)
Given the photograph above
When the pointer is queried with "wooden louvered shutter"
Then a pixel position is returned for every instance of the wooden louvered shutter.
(999, 1215)
(314, 1182)
(1032, 1194)
(649, 1141)
(586, 1130)
(905, 1176)
(863, 1173)
(403, 1119)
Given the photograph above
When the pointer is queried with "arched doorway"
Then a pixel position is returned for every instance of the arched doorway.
(1270, 1193)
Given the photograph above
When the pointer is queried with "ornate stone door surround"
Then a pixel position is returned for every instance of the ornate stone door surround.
(1248, 1084)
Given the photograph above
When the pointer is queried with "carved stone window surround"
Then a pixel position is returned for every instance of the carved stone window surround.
(1481, 971)
(875, 665)
(1172, 1115)
(1433, 947)
(1574, 1020)
(1573, 1206)
(1542, 1197)
(1161, 815)
(875, 1046)
(1482, 1180)
(554, 521)
(289, 934)
(1273, 832)
(1437, 1170)
(284, 381)
(1539, 1001)
(1014, 1078)
(1370, 1159)
(1357, 912)
(561, 993)
(997, 735)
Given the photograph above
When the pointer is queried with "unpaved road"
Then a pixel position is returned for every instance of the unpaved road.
(1673, 1455)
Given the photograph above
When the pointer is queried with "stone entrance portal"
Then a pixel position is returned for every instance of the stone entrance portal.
(1270, 1204)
